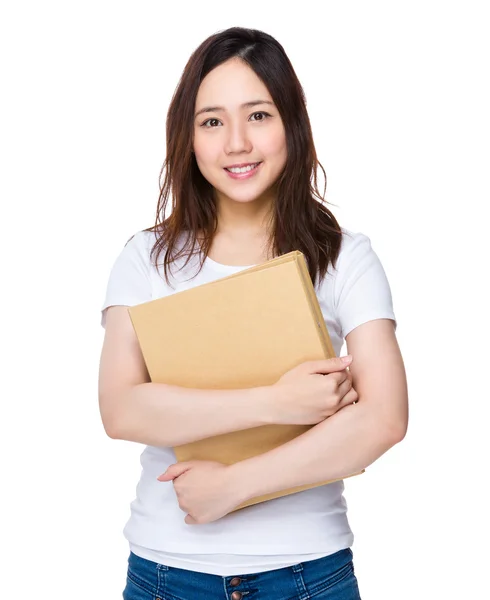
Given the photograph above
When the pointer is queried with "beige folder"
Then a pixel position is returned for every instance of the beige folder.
(240, 331)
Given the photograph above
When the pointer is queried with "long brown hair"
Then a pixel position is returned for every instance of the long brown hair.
(300, 220)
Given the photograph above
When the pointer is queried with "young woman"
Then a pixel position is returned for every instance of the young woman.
(241, 172)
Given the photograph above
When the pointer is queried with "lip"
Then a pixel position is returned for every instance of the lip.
(240, 165)
(246, 175)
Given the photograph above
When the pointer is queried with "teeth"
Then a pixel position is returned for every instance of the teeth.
(242, 169)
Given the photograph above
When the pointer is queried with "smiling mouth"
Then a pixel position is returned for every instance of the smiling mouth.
(238, 170)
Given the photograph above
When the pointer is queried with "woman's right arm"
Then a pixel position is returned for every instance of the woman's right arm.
(134, 409)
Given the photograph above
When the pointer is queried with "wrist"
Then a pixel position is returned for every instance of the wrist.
(241, 480)
(266, 403)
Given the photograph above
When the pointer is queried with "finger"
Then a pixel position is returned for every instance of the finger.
(190, 520)
(330, 365)
(166, 476)
(344, 386)
(350, 398)
(174, 471)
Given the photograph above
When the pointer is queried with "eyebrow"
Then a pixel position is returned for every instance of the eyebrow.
(250, 104)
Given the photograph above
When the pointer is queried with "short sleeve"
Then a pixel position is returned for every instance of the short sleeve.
(361, 290)
(129, 279)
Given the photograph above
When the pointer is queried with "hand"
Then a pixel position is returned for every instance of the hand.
(204, 489)
(313, 391)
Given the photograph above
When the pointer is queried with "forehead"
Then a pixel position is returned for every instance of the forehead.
(230, 84)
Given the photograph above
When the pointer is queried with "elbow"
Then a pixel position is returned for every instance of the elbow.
(111, 420)
(387, 427)
(397, 430)
(111, 427)
(389, 430)
(111, 430)
(395, 422)
(400, 426)
(397, 433)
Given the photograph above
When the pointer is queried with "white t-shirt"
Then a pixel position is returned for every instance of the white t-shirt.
(269, 535)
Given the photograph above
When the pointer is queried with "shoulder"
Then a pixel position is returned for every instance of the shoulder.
(137, 249)
(355, 248)
(356, 257)
(140, 242)
(130, 279)
(360, 289)
(356, 254)
(353, 242)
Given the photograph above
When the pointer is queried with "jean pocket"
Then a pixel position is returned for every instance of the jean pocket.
(137, 589)
(341, 585)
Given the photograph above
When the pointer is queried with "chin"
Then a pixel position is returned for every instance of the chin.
(242, 193)
(243, 198)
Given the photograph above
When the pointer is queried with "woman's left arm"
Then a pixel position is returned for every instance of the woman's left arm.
(351, 439)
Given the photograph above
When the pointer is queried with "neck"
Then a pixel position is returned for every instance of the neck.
(253, 218)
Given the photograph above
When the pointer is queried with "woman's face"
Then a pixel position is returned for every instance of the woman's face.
(238, 126)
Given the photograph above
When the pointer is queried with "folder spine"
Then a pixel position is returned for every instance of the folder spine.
(315, 307)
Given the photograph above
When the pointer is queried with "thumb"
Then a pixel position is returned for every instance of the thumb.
(331, 365)
(190, 520)
(174, 471)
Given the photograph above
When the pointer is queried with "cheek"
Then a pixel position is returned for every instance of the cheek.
(206, 148)
(274, 145)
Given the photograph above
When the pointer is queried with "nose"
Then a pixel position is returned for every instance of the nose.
(237, 140)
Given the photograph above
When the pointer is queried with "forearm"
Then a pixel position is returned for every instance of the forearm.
(344, 444)
(166, 415)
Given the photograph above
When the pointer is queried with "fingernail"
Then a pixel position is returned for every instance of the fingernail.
(346, 359)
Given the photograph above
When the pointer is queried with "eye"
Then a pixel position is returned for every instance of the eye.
(210, 121)
(264, 115)
(213, 122)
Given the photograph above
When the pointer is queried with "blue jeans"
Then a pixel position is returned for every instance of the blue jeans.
(328, 578)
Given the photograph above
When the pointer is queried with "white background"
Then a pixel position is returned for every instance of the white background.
(398, 98)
